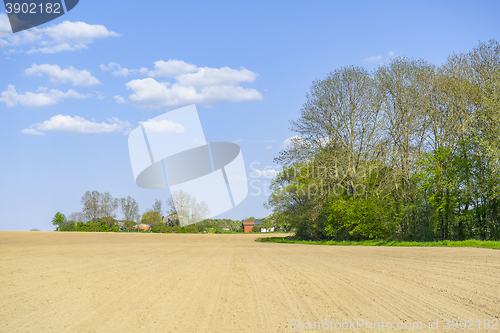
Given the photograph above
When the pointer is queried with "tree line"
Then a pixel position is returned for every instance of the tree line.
(409, 151)
(99, 214)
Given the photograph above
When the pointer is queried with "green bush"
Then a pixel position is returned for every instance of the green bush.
(256, 228)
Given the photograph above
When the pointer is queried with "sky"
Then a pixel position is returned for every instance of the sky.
(71, 90)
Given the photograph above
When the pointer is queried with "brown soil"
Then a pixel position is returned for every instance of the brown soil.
(119, 282)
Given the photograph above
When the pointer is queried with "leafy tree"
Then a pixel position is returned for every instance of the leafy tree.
(410, 151)
(151, 218)
(58, 220)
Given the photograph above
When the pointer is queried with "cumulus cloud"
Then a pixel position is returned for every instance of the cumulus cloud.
(32, 131)
(171, 68)
(162, 126)
(76, 125)
(207, 86)
(185, 84)
(216, 76)
(372, 59)
(391, 54)
(65, 36)
(269, 147)
(150, 93)
(69, 75)
(42, 98)
(118, 70)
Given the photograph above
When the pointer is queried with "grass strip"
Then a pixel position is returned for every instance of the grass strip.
(466, 243)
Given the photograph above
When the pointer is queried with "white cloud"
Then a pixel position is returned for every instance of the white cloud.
(171, 68)
(372, 59)
(269, 147)
(32, 131)
(118, 70)
(187, 84)
(162, 126)
(216, 76)
(119, 99)
(65, 36)
(391, 54)
(68, 75)
(150, 93)
(76, 125)
(291, 141)
(99, 95)
(44, 97)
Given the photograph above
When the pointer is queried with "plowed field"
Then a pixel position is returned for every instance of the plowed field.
(120, 282)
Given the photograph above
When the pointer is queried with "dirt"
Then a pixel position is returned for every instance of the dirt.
(121, 282)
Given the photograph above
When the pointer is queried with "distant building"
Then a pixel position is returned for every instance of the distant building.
(171, 221)
(247, 226)
(142, 226)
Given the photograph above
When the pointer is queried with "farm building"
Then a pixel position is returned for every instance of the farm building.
(142, 226)
(247, 226)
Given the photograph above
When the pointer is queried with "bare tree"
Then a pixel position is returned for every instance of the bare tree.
(185, 207)
(77, 217)
(157, 207)
(91, 202)
(130, 210)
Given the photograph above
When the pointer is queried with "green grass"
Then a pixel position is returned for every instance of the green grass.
(467, 243)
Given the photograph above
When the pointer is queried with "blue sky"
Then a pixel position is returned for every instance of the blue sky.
(71, 89)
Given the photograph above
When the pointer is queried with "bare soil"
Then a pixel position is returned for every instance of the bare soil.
(125, 282)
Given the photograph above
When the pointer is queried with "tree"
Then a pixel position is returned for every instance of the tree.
(91, 202)
(59, 220)
(157, 207)
(130, 210)
(151, 218)
(185, 207)
(108, 207)
(404, 95)
(77, 217)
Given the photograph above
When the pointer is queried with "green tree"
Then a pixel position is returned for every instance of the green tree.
(59, 220)
(151, 218)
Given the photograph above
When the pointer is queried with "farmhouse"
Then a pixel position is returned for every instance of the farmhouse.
(247, 226)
